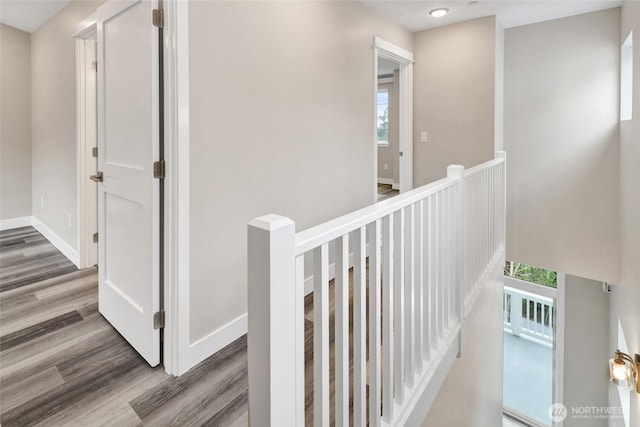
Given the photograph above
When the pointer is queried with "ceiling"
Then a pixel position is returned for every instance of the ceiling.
(29, 15)
(414, 15)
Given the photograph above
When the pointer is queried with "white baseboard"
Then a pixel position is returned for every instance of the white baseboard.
(395, 186)
(56, 241)
(8, 224)
(214, 342)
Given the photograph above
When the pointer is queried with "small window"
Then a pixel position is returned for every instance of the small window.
(383, 117)
(626, 79)
(532, 274)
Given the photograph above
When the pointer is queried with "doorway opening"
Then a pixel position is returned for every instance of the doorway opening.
(533, 322)
(387, 129)
(393, 127)
(87, 144)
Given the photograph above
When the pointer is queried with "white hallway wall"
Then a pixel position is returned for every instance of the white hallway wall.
(561, 133)
(586, 336)
(456, 107)
(281, 103)
(625, 308)
(53, 123)
(15, 123)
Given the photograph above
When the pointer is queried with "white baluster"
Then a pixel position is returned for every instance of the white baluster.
(398, 300)
(341, 290)
(299, 325)
(516, 314)
(432, 284)
(458, 255)
(419, 262)
(409, 294)
(444, 251)
(387, 318)
(321, 336)
(359, 328)
(375, 295)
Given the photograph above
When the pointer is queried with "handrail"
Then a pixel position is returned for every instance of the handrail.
(330, 230)
(532, 288)
(482, 166)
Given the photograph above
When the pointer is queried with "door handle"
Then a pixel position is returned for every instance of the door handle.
(97, 177)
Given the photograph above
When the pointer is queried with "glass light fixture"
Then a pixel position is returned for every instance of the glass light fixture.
(624, 371)
(439, 12)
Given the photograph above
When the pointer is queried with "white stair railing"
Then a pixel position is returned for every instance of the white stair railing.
(418, 261)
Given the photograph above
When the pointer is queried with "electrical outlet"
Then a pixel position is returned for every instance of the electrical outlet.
(424, 136)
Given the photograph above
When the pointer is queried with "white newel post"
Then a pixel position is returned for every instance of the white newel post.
(457, 171)
(271, 339)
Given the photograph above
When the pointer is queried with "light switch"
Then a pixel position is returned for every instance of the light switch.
(424, 136)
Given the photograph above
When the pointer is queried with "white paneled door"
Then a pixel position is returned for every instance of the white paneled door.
(128, 196)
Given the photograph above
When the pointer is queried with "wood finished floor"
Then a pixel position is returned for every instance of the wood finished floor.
(386, 191)
(62, 364)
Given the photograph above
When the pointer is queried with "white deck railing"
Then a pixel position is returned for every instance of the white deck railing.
(418, 263)
(528, 311)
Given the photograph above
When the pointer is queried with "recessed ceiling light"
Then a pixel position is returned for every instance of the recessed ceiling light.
(439, 12)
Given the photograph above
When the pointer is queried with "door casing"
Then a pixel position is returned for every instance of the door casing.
(387, 50)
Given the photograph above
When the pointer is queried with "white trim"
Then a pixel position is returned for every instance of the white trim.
(404, 58)
(395, 186)
(558, 391)
(87, 28)
(374, 129)
(405, 126)
(388, 181)
(214, 342)
(55, 240)
(385, 80)
(179, 354)
(392, 52)
(8, 224)
(86, 135)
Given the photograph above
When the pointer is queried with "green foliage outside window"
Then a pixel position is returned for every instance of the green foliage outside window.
(531, 274)
(383, 126)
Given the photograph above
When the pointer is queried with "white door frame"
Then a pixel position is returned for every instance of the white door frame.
(387, 50)
(558, 342)
(178, 357)
(86, 139)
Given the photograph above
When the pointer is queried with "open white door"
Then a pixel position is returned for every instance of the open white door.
(128, 196)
